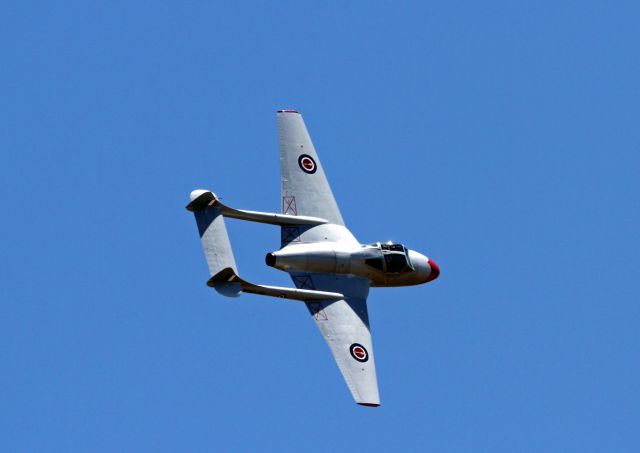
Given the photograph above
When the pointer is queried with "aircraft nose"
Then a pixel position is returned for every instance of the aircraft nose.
(435, 270)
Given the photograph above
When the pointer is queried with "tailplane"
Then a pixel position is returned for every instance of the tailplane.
(215, 240)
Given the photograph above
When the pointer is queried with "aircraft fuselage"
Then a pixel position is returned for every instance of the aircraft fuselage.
(383, 264)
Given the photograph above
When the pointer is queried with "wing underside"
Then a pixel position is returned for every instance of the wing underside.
(344, 324)
(304, 188)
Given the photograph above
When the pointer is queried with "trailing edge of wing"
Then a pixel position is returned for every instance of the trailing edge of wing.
(227, 281)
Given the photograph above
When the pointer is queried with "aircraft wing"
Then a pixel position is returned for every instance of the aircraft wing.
(304, 188)
(344, 324)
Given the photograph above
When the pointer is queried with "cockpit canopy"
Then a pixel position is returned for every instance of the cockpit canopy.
(394, 259)
(392, 247)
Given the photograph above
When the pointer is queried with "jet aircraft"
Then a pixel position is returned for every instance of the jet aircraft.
(331, 270)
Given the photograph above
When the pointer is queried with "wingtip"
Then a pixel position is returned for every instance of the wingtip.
(288, 111)
(369, 404)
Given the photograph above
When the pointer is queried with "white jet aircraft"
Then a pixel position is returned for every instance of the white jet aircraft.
(331, 270)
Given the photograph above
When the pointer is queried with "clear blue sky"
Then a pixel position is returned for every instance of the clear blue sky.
(500, 138)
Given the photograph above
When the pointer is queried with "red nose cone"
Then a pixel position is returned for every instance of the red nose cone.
(435, 271)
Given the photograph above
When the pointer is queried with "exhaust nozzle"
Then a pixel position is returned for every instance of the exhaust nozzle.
(270, 259)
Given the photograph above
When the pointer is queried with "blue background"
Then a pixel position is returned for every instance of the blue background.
(499, 138)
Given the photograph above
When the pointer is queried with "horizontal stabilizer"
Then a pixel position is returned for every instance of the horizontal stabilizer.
(228, 279)
(214, 238)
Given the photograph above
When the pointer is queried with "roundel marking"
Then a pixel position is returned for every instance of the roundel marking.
(359, 352)
(307, 164)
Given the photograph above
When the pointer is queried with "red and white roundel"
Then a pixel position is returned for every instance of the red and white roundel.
(359, 352)
(307, 164)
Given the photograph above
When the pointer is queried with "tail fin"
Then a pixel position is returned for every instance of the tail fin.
(215, 240)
